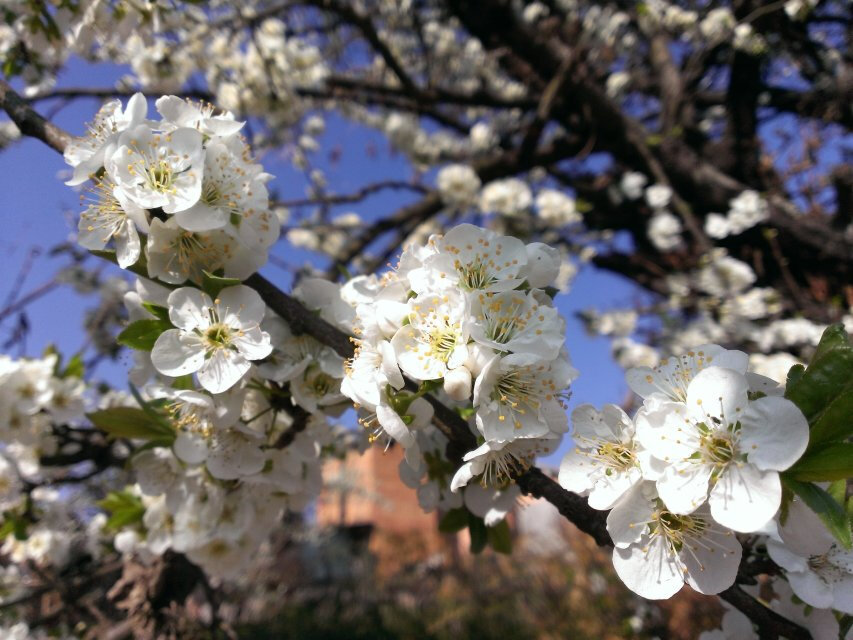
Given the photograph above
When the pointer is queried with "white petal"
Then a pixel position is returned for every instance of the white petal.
(462, 476)
(804, 533)
(177, 354)
(222, 370)
(717, 393)
(394, 426)
(811, 589)
(190, 448)
(683, 487)
(241, 306)
(188, 308)
(843, 595)
(201, 217)
(575, 470)
(775, 433)
(649, 569)
(128, 246)
(626, 522)
(712, 562)
(786, 558)
(745, 498)
(609, 489)
(254, 344)
(479, 499)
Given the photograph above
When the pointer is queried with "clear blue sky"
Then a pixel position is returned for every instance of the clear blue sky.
(39, 211)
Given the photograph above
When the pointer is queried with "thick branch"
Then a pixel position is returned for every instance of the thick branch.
(29, 122)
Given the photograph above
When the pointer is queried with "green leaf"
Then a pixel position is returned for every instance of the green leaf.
(130, 422)
(821, 390)
(185, 383)
(795, 374)
(75, 367)
(158, 311)
(124, 508)
(477, 530)
(838, 491)
(832, 514)
(213, 284)
(500, 538)
(834, 423)
(142, 334)
(826, 462)
(454, 520)
(14, 525)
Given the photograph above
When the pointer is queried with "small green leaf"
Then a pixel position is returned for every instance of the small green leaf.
(158, 311)
(75, 367)
(184, 383)
(828, 377)
(838, 491)
(466, 412)
(454, 520)
(832, 514)
(478, 533)
(124, 508)
(795, 374)
(213, 284)
(833, 423)
(142, 334)
(824, 463)
(500, 538)
(130, 422)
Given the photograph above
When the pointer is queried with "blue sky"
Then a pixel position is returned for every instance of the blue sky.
(39, 211)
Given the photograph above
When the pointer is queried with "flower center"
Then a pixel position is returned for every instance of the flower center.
(442, 342)
(321, 384)
(717, 448)
(677, 528)
(515, 392)
(616, 456)
(218, 336)
(210, 194)
(474, 275)
(502, 324)
(159, 176)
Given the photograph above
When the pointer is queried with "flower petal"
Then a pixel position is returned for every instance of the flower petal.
(188, 308)
(222, 370)
(774, 433)
(177, 354)
(745, 498)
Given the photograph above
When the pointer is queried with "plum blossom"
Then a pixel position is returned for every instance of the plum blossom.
(110, 215)
(516, 322)
(605, 461)
(217, 339)
(435, 339)
(472, 259)
(819, 570)
(522, 396)
(508, 197)
(720, 440)
(657, 551)
(158, 170)
(87, 153)
(458, 185)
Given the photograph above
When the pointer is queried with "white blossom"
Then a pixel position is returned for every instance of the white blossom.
(215, 339)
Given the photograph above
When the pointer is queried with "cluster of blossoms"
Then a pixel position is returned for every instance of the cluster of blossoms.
(44, 429)
(467, 314)
(237, 403)
(699, 462)
(187, 180)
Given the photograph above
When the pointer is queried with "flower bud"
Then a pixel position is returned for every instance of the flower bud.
(457, 383)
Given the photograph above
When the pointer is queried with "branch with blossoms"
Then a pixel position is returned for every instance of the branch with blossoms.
(468, 316)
